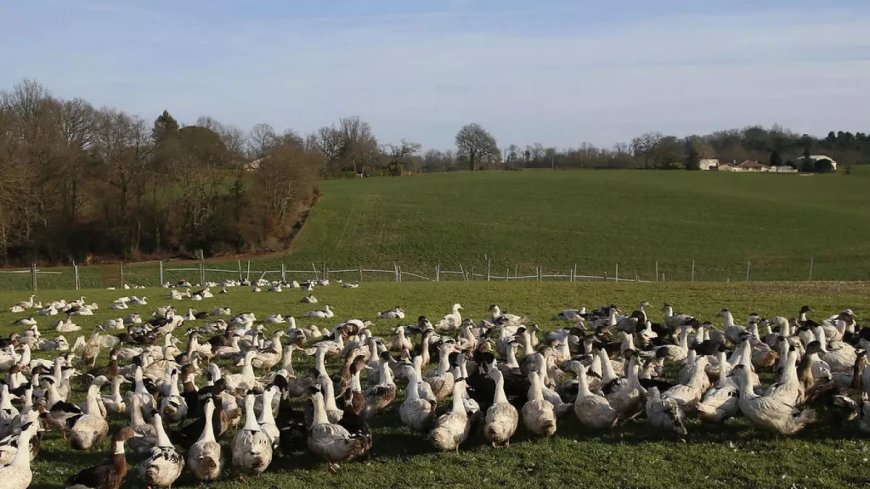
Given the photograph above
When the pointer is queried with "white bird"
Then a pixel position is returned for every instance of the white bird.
(324, 313)
(205, 457)
(164, 464)
(252, 449)
(451, 321)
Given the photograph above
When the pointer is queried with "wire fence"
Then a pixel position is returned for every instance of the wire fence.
(169, 273)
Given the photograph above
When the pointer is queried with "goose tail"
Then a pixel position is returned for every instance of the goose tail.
(806, 417)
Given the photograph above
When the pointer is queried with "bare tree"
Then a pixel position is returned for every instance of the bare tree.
(261, 138)
(402, 156)
(646, 145)
(477, 146)
(122, 147)
(359, 145)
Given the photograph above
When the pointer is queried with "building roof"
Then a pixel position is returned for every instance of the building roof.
(751, 165)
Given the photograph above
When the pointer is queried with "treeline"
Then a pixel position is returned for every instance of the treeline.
(774, 146)
(79, 181)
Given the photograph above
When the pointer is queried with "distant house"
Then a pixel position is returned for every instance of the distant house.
(783, 169)
(708, 164)
(726, 167)
(252, 165)
(752, 165)
(815, 158)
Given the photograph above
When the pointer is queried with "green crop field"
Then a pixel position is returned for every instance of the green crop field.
(596, 219)
(829, 454)
(775, 225)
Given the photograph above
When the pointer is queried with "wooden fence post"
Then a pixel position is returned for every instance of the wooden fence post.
(248, 276)
(438, 272)
(488, 267)
(161, 274)
(360, 273)
(657, 270)
(748, 264)
(34, 285)
(693, 270)
(812, 259)
(396, 271)
(616, 276)
(241, 277)
(201, 273)
(76, 274)
(462, 270)
(121, 271)
(574, 273)
(507, 272)
(283, 272)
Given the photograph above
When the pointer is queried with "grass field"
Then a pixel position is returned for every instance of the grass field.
(828, 455)
(556, 219)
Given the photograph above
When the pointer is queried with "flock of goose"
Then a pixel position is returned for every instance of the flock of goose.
(233, 376)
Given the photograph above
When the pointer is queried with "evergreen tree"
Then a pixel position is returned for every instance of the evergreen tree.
(693, 156)
(775, 158)
(164, 127)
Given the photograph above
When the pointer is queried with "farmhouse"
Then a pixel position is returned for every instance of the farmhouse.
(783, 169)
(815, 158)
(752, 165)
(252, 165)
(725, 167)
(708, 164)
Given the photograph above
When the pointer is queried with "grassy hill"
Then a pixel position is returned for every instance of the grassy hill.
(594, 219)
(597, 219)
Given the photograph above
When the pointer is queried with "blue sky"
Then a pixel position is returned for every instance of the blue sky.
(555, 72)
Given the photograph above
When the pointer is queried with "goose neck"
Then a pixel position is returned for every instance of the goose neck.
(208, 428)
(319, 410)
(500, 396)
(162, 437)
(250, 416)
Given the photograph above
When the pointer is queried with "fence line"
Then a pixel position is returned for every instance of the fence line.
(243, 271)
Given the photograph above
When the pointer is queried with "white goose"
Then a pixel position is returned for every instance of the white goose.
(452, 429)
(205, 458)
(115, 403)
(267, 419)
(394, 313)
(415, 412)
(591, 409)
(173, 406)
(501, 418)
(451, 321)
(164, 464)
(324, 313)
(91, 427)
(539, 416)
(769, 412)
(720, 402)
(839, 356)
(252, 449)
(18, 475)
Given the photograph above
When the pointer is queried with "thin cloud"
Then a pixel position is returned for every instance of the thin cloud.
(420, 75)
